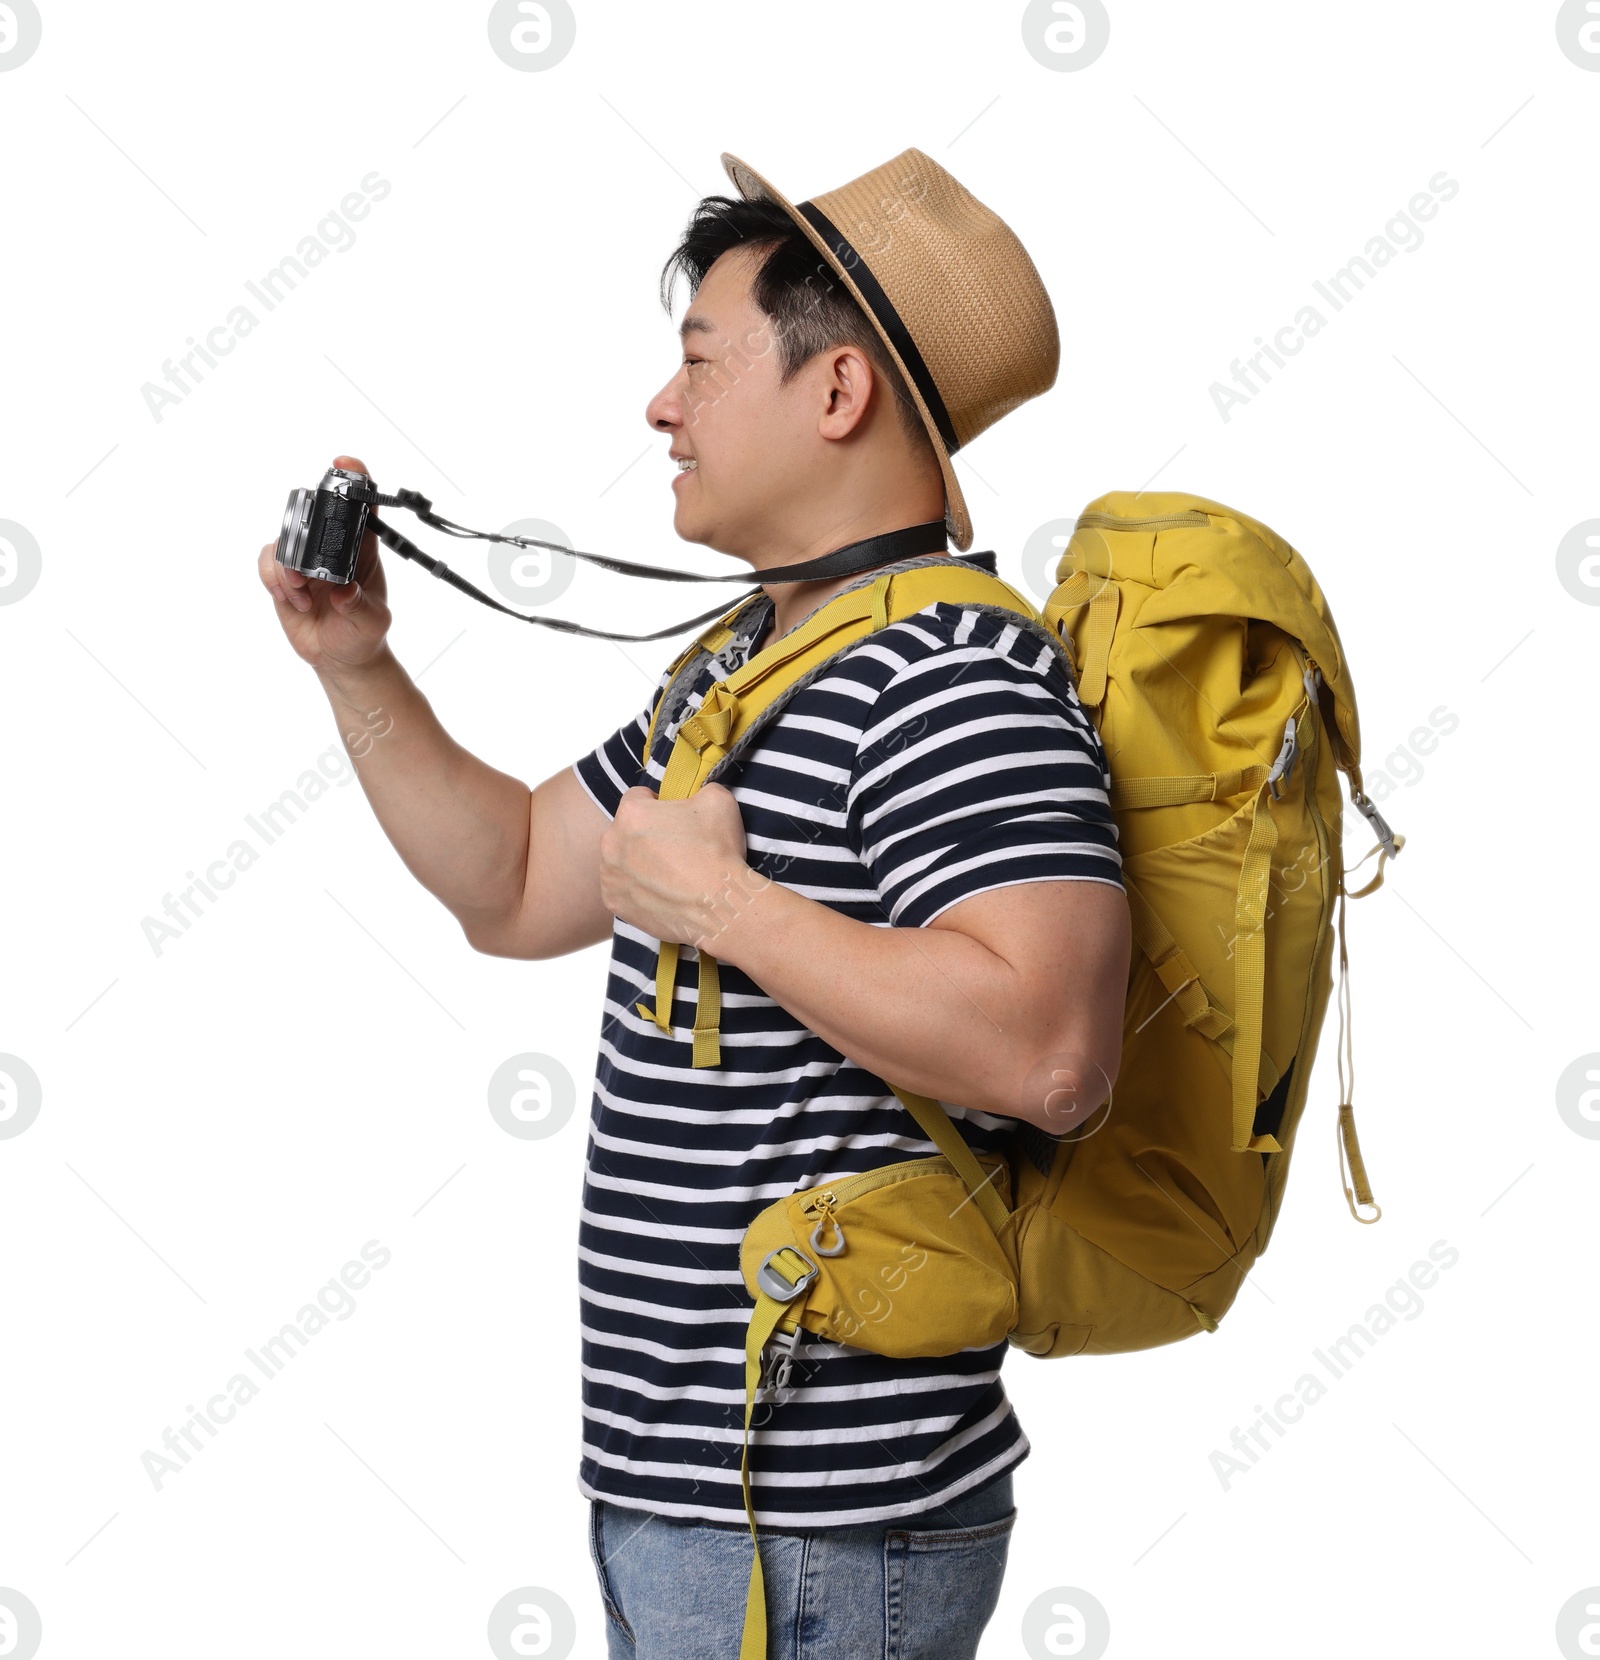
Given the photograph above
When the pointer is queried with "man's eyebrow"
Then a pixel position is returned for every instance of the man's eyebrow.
(694, 323)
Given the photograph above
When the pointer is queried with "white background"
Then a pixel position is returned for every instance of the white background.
(225, 1123)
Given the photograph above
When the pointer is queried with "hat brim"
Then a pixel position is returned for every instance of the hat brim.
(751, 185)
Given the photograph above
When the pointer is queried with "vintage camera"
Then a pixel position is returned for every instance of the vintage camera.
(322, 528)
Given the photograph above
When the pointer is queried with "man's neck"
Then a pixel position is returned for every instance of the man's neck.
(793, 602)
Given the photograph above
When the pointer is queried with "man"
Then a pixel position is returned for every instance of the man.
(911, 876)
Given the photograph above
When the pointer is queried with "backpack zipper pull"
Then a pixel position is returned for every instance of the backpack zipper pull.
(822, 1209)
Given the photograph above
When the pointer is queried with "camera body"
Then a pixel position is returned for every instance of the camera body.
(322, 528)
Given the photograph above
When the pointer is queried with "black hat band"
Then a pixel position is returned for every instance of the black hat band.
(887, 317)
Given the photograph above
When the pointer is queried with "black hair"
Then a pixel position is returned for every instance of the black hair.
(809, 307)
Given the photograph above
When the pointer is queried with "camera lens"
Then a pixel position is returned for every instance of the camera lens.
(296, 521)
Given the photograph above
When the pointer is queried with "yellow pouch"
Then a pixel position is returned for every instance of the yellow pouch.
(906, 1264)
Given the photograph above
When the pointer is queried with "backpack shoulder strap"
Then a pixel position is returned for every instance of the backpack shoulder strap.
(940, 1129)
(753, 694)
(734, 706)
(710, 641)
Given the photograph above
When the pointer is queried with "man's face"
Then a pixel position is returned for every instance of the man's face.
(754, 444)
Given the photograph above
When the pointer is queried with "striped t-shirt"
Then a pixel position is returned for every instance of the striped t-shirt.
(939, 757)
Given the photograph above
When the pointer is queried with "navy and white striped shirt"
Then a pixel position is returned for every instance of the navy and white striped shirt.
(937, 758)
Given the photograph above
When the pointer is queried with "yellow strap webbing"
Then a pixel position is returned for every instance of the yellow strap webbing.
(763, 1322)
(1102, 597)
(1071, 591)
(1357, 1189)
(936, 1125)
(798, 1271)
(707, 1014)
(707, 1009)
(1100, 625)
(1178, 791)
(1174, 969)
(666, 977)
(1376, 882)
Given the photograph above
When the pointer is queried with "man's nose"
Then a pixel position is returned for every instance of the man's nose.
(664, 411)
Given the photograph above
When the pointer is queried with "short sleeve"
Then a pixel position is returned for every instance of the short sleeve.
(618, 764)
(978, 769)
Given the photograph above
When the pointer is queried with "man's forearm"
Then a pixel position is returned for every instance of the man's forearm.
(460, 826)
(930, 1009)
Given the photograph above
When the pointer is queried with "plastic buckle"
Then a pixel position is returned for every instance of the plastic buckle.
(771, 1281)
(1284, 765)
(780, 1359)
(1380, 825)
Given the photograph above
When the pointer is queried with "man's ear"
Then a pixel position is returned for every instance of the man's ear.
(849, 386)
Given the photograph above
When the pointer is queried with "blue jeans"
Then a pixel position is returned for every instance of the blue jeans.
(918, 1589)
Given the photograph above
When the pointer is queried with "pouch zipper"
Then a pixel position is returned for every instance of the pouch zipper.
(1111, 521)
(852, 1187)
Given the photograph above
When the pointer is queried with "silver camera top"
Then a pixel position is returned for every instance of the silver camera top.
(343, 482)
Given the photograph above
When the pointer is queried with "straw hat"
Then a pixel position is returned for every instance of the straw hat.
(949, 288)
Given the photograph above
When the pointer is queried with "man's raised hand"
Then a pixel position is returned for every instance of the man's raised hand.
(677, 869)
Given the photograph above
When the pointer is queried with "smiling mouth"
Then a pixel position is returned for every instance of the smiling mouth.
(686, 464)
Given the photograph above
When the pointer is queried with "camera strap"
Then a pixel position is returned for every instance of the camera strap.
(849, 560)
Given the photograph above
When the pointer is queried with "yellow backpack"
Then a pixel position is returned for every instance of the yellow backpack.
(1210, 663)
(1206, 654)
